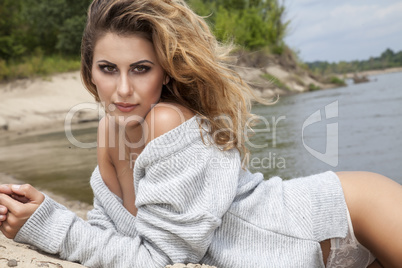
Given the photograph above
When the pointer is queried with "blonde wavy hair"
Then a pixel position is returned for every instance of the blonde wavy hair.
(201, 77)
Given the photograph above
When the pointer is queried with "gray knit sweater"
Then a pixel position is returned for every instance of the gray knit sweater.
(195, 204)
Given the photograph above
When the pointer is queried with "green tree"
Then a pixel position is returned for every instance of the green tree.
(387, 59)
(55, 24)
(252, 24)
(277, 29)
(251, 31)
(45, 18)
(11, 29)
(70, 34)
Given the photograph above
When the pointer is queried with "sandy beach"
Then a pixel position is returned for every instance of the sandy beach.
(31, 104)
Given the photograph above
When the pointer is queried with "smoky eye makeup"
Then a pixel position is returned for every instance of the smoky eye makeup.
(107, 68)
(139, 67)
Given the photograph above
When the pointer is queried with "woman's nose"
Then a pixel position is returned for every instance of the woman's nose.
(124, 87)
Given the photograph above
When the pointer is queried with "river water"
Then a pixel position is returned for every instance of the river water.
(368, 118)
(358, 127)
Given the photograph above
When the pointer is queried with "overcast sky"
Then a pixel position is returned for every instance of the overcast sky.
(335, 30)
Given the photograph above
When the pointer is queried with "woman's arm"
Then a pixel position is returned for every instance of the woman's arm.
(375, 206)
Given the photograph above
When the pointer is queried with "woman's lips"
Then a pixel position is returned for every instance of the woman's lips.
(125, 107)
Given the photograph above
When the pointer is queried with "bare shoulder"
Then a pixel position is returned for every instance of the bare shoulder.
(164, 117)
(375, 206)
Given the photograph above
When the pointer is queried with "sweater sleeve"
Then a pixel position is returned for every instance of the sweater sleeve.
(98, 217)
(180, 204)
(59, 231)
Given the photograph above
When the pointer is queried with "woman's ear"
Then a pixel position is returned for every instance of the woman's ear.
(166, 80)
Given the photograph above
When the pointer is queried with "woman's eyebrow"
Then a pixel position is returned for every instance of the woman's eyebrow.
(141, 61)
(107, 62)
(131, 65)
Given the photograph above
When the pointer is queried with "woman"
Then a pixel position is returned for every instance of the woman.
(170, 185)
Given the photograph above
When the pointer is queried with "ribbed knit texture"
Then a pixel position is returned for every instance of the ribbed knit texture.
(195, 204)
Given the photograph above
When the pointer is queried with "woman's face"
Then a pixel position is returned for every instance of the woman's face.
(128, 77)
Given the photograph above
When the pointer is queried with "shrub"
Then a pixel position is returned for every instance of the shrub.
(274, 80)
(313, 87)
(337, 81)
(37, 65)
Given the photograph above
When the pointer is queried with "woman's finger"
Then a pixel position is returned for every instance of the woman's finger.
(8, 202)
(20, 198)
(29, 192)
(6, 189)
(3, 210)
(7, 230)
(3, 214)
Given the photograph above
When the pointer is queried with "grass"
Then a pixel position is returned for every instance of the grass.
(298, 79)
(337, 81)
(273, 79)
(37, 65)
(313, 87)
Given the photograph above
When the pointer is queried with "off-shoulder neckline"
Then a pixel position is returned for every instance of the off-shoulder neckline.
(171, 141)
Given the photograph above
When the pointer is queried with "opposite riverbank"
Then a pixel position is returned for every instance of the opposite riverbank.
(374, 72)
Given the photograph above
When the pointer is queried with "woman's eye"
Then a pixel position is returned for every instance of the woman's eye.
(108, 68)
(141, 69)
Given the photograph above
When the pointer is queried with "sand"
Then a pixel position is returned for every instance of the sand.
(31, 104)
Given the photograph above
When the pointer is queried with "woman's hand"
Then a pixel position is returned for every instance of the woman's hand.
(17, 204)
